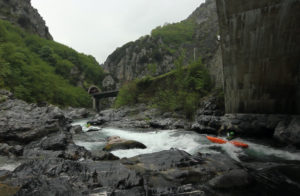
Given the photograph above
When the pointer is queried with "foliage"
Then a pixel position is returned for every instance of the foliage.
(152, 68)
(176, 33)
(40, 70)
(180, 89)
(127, 94)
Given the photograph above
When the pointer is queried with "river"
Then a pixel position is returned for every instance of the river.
(189, 141)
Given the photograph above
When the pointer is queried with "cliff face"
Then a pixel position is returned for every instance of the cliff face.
(21, 13)
(260, 43)
(155, 54)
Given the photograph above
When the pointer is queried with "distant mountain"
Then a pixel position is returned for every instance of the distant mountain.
(21, 13)
(155, 54)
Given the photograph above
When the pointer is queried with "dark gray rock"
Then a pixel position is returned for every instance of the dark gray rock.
(22, 122)
(288, 132)
(163, 173)
(77, 113)
(98, 121)
(203, 129)
(233, 179)
(8, 150)
(74, 152)
(170, 172)
(161, 123)
(56, 142)
(102, 155)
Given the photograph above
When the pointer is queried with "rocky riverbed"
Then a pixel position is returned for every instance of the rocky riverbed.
(41, 153)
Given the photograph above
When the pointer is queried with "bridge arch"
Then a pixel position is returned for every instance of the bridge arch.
(93, 90)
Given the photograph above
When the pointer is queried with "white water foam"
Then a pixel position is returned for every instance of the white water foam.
(263, 150)
(7, 164)
(10, 167)
(188, 141)
(83, 124)
(156, 141)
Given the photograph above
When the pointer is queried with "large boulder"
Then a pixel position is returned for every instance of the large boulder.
(56, 142)
(117, 143)
(23, 123)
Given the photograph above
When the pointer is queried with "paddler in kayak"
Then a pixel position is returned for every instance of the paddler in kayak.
(230, 135)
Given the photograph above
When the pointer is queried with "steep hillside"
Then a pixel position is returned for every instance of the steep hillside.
(21, 13)
(41, 70)
(155, 54)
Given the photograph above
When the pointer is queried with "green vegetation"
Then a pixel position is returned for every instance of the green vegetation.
(176, 33)
(39, 70)
(178, 90)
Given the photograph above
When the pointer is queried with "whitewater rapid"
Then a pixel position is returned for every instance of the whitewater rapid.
(188, 141)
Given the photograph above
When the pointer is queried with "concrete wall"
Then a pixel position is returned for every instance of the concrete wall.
(261, 56)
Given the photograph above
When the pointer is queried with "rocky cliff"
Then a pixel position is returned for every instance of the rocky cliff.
(260, 43)
(21, 13)
(155, 54)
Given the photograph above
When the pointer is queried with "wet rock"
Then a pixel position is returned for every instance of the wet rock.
(102, 155)
(74, 152)
(203, 129)
(99, 120)
(288, 131)
(8, 150)
(117, 143)
(77, 129)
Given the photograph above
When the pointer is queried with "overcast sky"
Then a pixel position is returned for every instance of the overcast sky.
(98, 27)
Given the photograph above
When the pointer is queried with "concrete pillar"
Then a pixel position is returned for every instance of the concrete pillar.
(96, 105)
(261, 55)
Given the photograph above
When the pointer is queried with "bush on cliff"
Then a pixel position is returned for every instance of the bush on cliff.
(40, 70)
(176, 33)
(180, 89)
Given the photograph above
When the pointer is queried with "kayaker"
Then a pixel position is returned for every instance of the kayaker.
(230, 135)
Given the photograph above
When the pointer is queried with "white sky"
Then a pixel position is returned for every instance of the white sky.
(98, 27)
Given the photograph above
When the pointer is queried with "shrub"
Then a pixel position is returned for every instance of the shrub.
(127, 95)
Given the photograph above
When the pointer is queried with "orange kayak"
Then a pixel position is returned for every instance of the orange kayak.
(221, 141)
